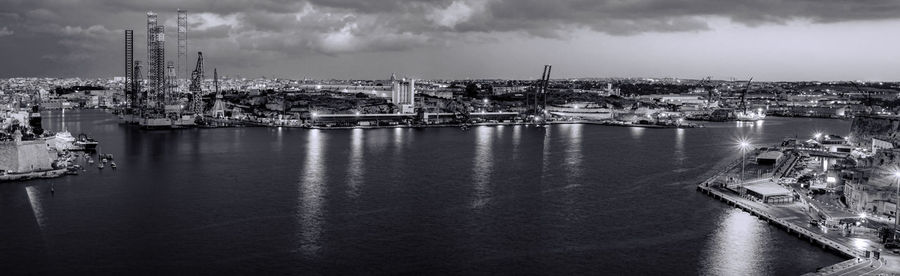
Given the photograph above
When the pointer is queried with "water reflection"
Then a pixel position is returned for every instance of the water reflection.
(354, 168)
(516, 139)
(573, 152)
(279, 144)
(545, 155)
(482, 166)
(312, 193)
(398, 141)
(736, 247)
(636, 132)
(680, 154)
(34, 198)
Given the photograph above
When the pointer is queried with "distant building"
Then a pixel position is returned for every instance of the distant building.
(403, 93)
(501, 90)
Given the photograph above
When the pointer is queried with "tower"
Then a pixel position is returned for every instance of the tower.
(181, 63)
(129, 68)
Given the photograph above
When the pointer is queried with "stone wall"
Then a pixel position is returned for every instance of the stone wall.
(864, 128)
(24, 156)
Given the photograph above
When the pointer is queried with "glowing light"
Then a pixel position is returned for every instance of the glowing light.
(357, 113)
(744, 144)
(485, 100)
(862, 215)
(818, 135)
(897, 174)
(315, 114)
(830, 179)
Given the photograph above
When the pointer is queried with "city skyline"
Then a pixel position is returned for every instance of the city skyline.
(768, 40)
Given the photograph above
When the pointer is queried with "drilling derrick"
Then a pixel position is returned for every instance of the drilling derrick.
(195, 87)
(156, 58)
(129, 69)
(181, 65)
(136, 86)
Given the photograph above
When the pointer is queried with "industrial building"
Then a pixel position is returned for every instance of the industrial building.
(403, 93)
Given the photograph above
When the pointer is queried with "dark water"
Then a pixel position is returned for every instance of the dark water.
(516, 200)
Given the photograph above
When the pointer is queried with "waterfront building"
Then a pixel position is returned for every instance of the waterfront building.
(378, 91)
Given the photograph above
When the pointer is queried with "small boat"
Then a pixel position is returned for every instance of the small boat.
(90, 160)
(100, 166)
(112, 165)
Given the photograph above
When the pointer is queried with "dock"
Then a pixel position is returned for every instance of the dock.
(794, 219)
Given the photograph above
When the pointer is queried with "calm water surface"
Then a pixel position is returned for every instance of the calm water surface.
(518, 200)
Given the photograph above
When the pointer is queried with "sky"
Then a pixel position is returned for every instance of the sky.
(459, 39)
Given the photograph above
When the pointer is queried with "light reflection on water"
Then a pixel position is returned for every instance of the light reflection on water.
(483, 163)
(680, 154)
(312, 193)
(637, 132)
(516, 139)
(355, 166)
(736, 247)
(545, 156)
(573, 153)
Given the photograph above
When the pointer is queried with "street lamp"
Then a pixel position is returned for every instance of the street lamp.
(862, 216)
(897, 205)
(744, 145)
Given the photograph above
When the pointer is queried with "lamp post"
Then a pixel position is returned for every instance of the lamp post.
(897, 204)
(743, 145)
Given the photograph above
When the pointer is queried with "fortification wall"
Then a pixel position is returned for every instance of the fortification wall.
(33, 156)
(864, 128)
(24, 156)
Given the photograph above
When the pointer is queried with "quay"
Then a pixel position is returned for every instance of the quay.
(794, 219)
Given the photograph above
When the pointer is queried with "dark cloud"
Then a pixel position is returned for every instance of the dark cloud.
(252, 32)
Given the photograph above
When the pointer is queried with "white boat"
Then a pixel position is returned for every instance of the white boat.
(749, 116)
(62, 140)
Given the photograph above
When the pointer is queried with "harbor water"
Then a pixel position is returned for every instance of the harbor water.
(566, 199)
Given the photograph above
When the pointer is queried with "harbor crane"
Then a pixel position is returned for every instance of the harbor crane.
(540, 91)
(744, 96)
(195, 87)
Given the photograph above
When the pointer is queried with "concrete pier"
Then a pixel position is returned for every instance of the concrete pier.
(794, 219)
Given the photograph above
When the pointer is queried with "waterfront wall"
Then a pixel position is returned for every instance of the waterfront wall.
(24, 156)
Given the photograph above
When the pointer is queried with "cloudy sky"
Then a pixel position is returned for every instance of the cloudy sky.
(369, 39)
